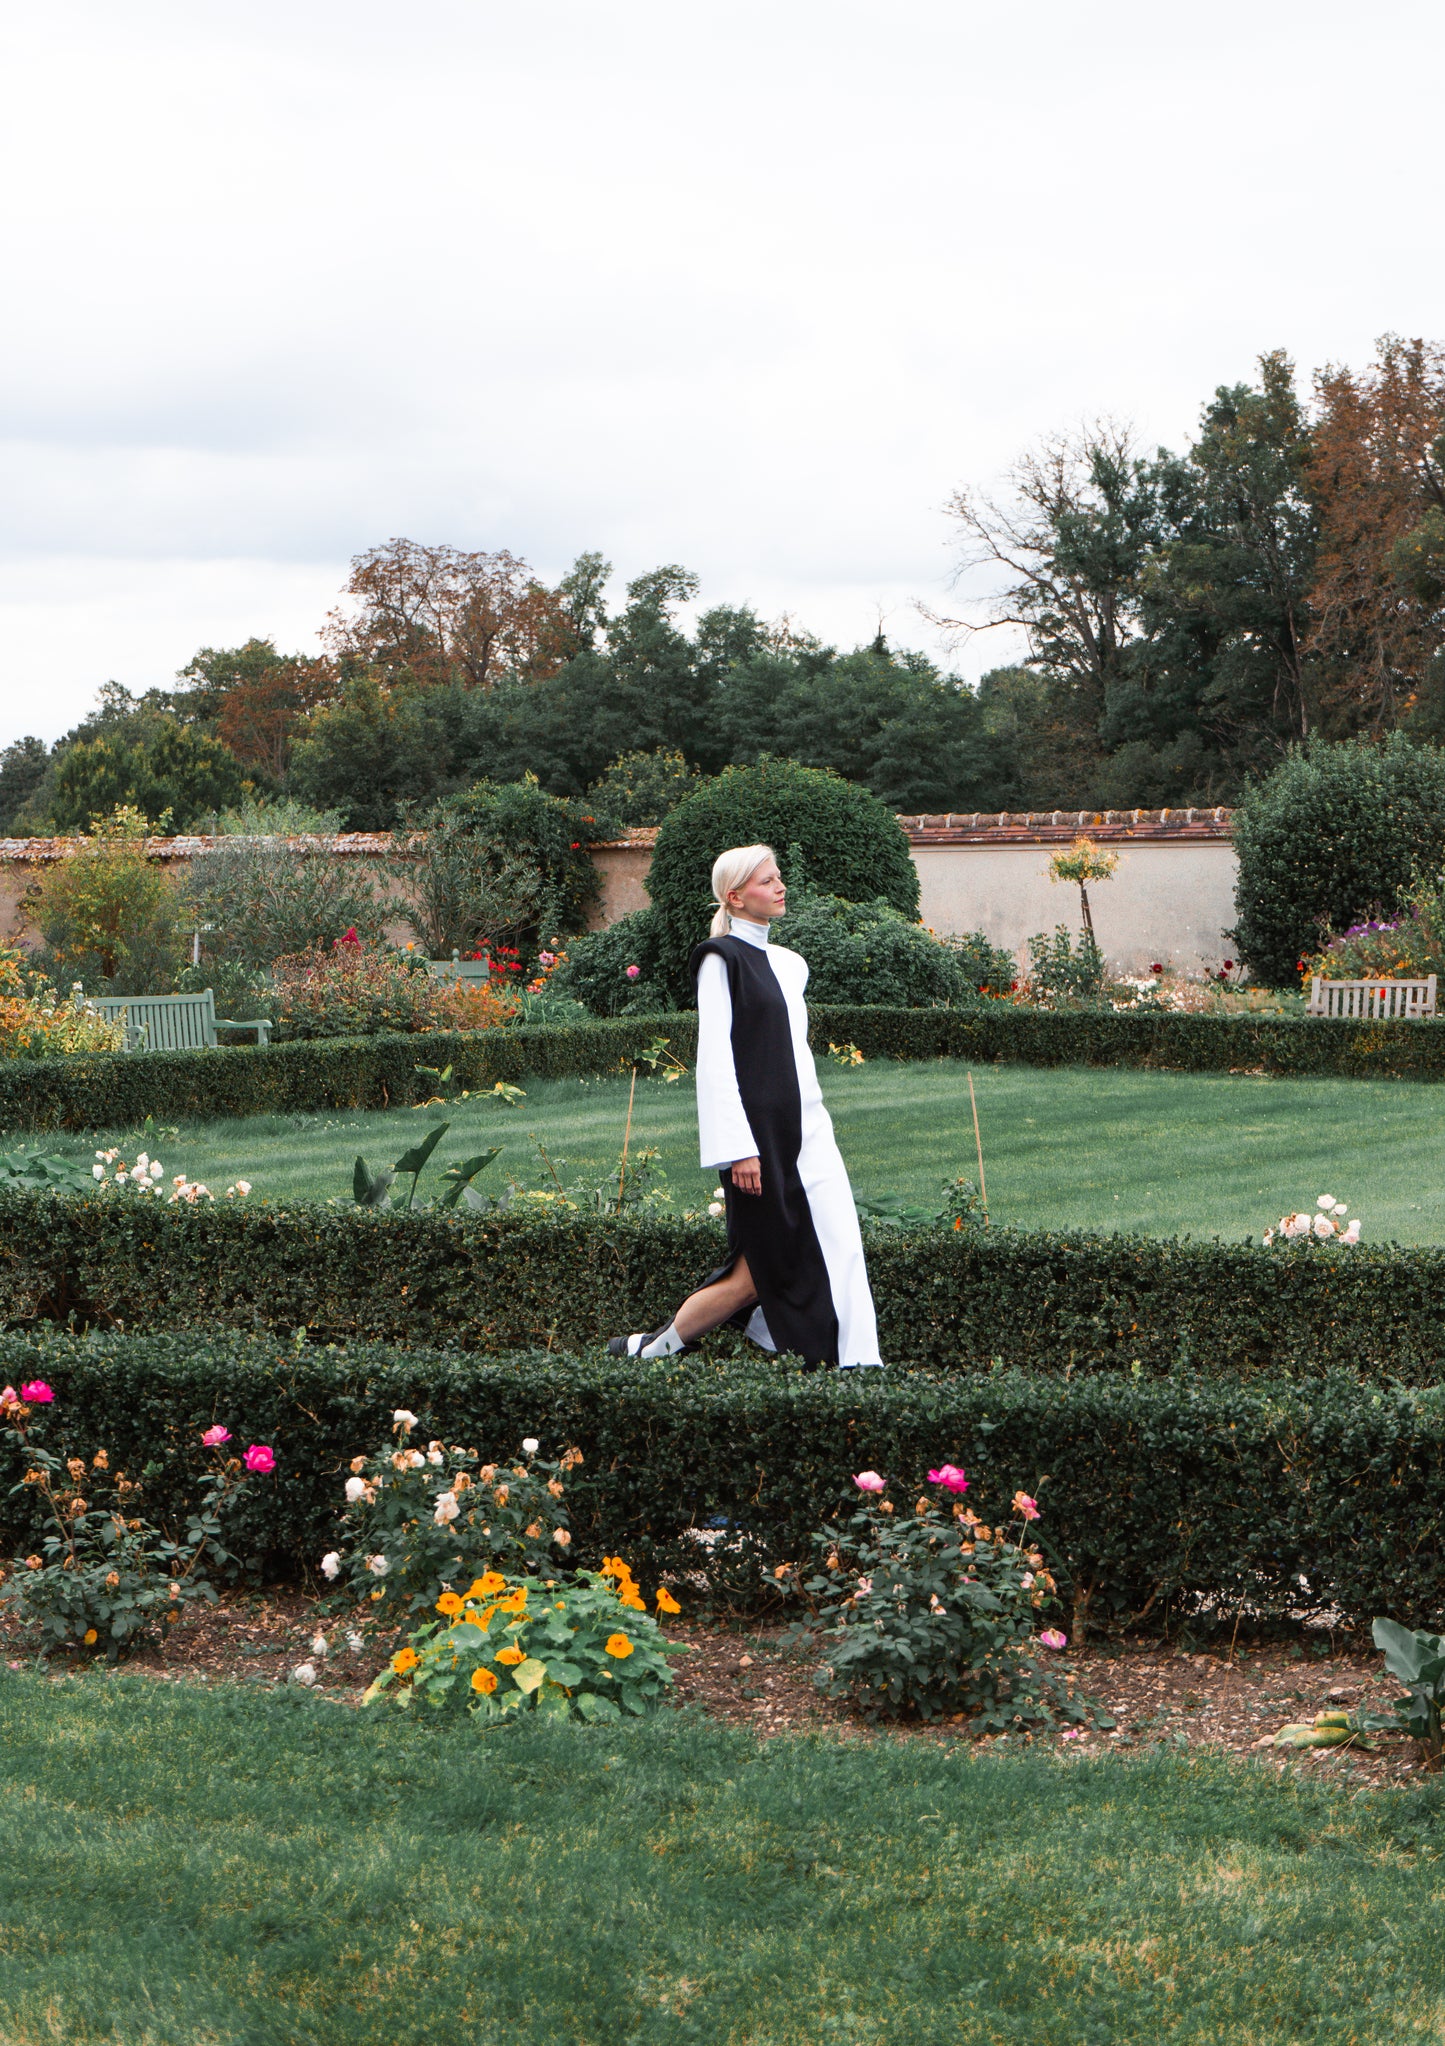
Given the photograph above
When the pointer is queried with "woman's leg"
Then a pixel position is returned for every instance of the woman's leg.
(712, 1305)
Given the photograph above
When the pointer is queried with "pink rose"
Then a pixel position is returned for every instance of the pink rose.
(869, 1481)
(633, 972)
(1029, 1508)
(1052, 1638)
(214, 1437)
(259, 1458)
(950, 1477)
(37, 1393)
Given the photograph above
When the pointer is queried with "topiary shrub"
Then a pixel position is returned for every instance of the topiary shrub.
(1335, 835)
(529, 828)
(849, 842)
(598, 970)
(867, 952)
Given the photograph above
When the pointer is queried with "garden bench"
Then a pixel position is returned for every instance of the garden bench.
(470, 972)
(1374, 999)
(173, 1022)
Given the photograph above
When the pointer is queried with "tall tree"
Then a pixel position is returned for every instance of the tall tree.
(440, 614)
(1377, 473)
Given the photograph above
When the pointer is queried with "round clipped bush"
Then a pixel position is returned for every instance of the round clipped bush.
(848, 841)
(1335, 835)
(618, 970)
(867, 952)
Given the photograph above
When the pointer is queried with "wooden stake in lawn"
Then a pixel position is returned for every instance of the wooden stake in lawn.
(626, 1140)
(978, 1145)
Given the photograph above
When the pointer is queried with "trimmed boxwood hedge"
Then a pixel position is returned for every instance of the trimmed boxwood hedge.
(381, 1071)
(1265, 1499)
(954, 1302)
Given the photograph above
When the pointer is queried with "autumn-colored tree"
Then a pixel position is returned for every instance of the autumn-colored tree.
(441, 614)
(259, 715)
(1377, 475)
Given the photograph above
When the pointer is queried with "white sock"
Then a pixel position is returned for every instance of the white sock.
(665, 1345)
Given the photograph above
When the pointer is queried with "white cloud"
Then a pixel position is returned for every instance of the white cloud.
(746, 286)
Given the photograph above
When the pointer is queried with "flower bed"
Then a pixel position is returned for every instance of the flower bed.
(955, 1301)
(1155, 1493)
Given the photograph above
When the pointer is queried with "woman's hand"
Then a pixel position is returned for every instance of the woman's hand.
(747, 1175)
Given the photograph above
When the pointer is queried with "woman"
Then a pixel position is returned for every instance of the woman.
(795, 1278)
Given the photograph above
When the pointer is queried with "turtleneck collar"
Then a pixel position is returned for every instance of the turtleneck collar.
(754, 934)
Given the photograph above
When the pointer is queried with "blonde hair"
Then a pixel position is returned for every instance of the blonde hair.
(732, 869)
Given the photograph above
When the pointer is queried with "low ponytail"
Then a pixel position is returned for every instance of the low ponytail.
(732, 869)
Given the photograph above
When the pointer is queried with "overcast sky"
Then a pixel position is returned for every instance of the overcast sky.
(746, 286)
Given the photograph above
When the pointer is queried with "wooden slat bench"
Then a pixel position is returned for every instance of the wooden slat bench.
(468, 971)
(173, 1022)
(1372, 999)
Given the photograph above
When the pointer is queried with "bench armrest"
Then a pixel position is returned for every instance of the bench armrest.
(262, 1025)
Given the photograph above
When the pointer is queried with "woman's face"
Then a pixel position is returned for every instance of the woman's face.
(762, 896)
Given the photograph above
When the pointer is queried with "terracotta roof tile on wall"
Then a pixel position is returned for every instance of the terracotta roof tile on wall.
(1058, 827)
(366, 844)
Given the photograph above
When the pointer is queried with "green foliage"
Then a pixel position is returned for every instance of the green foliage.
(568, 1268)
(517, 825)
(109, 916)
(22, 769)
(355, 990)
(1335, 836)
(1418, 1660)
(870, 953)
(1060, 971)
(569, 1649)
(254, 900)
(849, 842)
(640, 788)
(420, 1524)
(158, 766)
(376, 1189)
(43, 1169)
(597, 967)
(470, 891)
(930, 1612)
(1172, 1500)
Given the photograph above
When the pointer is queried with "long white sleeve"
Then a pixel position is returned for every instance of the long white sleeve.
(722, 1124)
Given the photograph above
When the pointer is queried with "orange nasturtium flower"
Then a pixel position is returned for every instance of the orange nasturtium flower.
(666, 1603)
(516, 1602)
(631, 1596)
(404, 1659)
(482, 1620)
(618, 1645)
(91, 1637)
(512, 1655)
(449, 1604)
(488, 1585)
(484, 1680)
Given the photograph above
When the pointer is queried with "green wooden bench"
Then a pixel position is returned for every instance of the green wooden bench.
(470, 972)
(173, 1022)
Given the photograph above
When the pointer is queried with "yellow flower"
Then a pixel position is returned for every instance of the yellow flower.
(449, 1604)
(484, 1680)
(90, 1637)
(404, 1659)
(512, 1655)
(666, 1603)
(618, 1645)
(488, 1585)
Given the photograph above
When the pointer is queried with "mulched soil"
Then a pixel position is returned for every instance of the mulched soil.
(751, 1677)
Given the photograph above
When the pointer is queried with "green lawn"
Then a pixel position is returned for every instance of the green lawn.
(1099, 1148)
(243, 1869)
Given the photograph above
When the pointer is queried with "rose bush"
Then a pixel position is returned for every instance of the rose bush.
(932, 1612)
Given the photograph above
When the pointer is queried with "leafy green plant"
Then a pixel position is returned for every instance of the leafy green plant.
(584, 1647)
(1417, 1659)
(1060, 971)
(377, 1190)
(103, 1577)
(421, 1521)
(870, 952)
(961, 1204)
(933, 1612)
(49, 1169)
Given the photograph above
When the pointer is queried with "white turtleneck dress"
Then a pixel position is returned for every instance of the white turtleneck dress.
(758, 1096)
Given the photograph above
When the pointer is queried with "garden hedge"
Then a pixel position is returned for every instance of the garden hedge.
(1260, 1501)
(957, 1302)
(382, 1071)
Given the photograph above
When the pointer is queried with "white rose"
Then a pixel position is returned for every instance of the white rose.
(97, 1172)
(530, 1445)
(447, 1508)
(1325, 1201)
(354, 1643)
(355, 1489)
(434, 1456)
(304, 1673)
(142, 1163)
(377, 1565)
(331, 1564)
(1352, 1234)
(1342, 1207)
(1269, 1236)
(156, 1168)
(243, 1186)
(1324, 1226)
(318, 1645)
(403, 1418)
(715, 1208)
